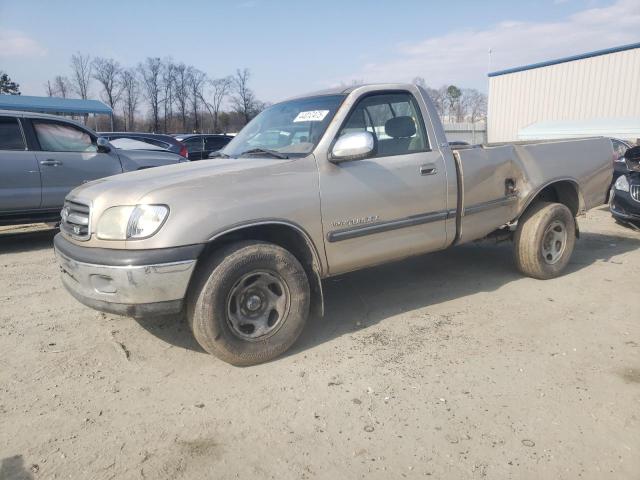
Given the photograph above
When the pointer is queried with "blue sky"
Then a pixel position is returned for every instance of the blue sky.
(296, 46)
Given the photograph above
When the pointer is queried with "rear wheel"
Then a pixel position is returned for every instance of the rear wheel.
(249, 302)
(544, 240)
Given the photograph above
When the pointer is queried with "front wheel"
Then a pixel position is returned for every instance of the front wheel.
(249, 302)
(544, 240)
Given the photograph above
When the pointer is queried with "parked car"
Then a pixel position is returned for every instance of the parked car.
(135, 149)
(620, 147)
(200, 146)
(242, 243)
(43, 157)
(624, 199)
(458, 143)
(166, 142)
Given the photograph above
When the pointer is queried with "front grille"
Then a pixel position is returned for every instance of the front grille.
(75, 219)
(634, 190)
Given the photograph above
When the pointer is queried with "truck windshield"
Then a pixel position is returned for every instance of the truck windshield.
(292, 128)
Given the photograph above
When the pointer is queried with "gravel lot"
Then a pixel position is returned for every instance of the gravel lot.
(450, 365)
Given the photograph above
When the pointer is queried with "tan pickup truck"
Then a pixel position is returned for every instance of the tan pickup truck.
(314, 187)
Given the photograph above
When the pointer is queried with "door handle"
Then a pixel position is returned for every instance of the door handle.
(51, 163)
(428, 169)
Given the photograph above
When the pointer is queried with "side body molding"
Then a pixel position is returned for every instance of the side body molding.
(317, 265)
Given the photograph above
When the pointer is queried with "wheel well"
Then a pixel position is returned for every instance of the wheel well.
(564, 192)
(286, 237)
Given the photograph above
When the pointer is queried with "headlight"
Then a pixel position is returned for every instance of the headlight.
(622, 183)
(123, 223)
(146, 220)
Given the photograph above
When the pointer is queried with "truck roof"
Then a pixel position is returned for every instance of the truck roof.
(345, 90)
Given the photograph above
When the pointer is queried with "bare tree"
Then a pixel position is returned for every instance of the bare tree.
(475, 104)
(460, 105)
(220, 88)
(130, 97)
(81, 74)
(50, 89)
(438, 96)
(61, 86)
(107, 72)
(354, 82)
(168, 85)
(244, 99)
(453, 99)
(181, 91)
(151, 72)
(196, 82)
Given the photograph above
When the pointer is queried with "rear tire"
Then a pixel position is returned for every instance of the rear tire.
(249, 302)
(544, 240)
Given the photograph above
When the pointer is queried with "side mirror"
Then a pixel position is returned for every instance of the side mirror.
(632, 158)
(352, 146)
(103, 145)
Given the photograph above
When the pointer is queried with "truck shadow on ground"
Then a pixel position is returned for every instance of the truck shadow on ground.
(364, 298)
(26, 240)
(13, 468)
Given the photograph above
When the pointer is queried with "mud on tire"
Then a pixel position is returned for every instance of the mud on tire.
(248, 302)
(544, 240)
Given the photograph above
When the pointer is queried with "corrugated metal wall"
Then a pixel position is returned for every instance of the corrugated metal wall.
(606, 86)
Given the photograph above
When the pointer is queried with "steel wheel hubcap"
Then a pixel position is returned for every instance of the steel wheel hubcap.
(554, 242)
(257, 305)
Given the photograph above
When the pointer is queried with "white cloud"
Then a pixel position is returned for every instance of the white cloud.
(17, 44)
(462, 57)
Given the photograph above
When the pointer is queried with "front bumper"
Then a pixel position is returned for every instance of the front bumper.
(623, 206)
(125, 282)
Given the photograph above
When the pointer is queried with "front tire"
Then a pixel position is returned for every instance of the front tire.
(544, 240)
(249, 302)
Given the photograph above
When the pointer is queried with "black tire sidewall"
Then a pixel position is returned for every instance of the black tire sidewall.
(209, 322)
(543, 218)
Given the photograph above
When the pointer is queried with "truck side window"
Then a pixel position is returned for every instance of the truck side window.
(60, 137)
(10, 134)
(394, 120)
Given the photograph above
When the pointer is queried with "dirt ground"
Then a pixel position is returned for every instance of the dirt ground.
(450, 365)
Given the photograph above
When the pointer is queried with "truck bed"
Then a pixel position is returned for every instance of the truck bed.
(498, 181)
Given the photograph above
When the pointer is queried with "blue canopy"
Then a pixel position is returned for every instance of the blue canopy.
(53, 105)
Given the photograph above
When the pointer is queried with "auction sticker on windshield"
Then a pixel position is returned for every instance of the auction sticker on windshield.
(311, 116)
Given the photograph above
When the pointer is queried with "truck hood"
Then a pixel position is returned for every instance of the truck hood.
(135, 187)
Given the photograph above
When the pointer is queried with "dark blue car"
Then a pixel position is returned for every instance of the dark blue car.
(166, 142)
(624, 199)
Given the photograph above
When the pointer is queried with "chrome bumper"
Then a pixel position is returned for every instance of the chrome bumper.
(127, 290)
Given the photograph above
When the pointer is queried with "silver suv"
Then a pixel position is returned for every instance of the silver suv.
(43, 157)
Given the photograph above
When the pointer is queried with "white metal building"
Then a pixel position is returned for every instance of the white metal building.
(602, 85)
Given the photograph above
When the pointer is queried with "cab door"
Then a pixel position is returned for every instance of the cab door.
(68, 157)
(19, 174)
(392, 204)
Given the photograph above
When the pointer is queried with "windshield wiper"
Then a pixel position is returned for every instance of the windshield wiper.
(273, 153)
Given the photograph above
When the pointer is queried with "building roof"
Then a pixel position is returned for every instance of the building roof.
(597, 53)
(53, 105)
(624, 128)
